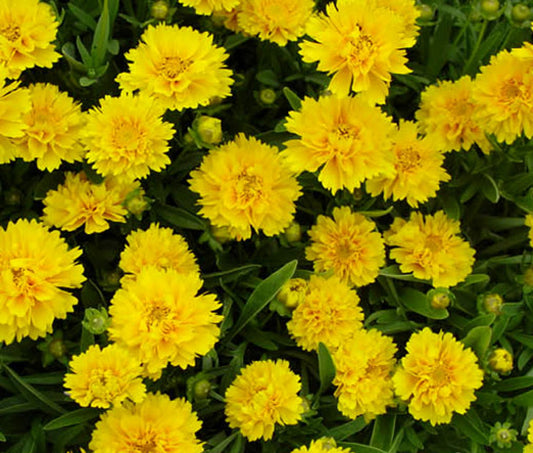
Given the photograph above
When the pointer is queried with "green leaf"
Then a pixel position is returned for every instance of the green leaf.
(82, 16)
(294, 101)
(101, 36)
(262, 295)
(84, 53)
(474, 279)
(394, 271)
(179, 217)
(383, 432)
(347, 429)
(525, 399)
(220, 448)
(478, 339)
(515, 383)
(234, 40)
(31, 394)
(361, 448)
(489, 188)
(268, 77)
(72, 418)
(418, 302)
(471, 427)
(326, 367)
(232, 274)
(526, 340)
(15, 405)
(2, 437)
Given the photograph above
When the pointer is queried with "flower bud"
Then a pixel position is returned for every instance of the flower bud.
(57, 348)
(209, 129)
(440, 298)
(426, 12)
(136, 203)
(490, 9)
(520, 13)
(528, 277)
(493, 303)
(267, 96)
(160, 10)
(501, 361)
(202, 389)
(221, 234)
(502, 435)
(293, 292)
(293, 233)
(95, 321)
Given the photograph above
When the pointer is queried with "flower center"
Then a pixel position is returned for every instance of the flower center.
(23, 278)
(148, 445)
(172, 67)
(511, 90)
(341, 140)
(433, 243)
(10, 32)
(360, 50)
(248, 187)
(407, 159)
(127, 136)
(439, 375)
(103, 384)
(157, 313)
(347, 250)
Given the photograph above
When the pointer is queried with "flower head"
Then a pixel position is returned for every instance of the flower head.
(263, 395)
(323, 445)
(407, 12)
(361, 43)
(53, 128)
(79, 202)
(104, 377)
(126, 137)
(293, 292)
(14, 104)
(364, 365)
(157, 247)
(156, 424)
(178, 66)
(528, 221)
(431, 249)
(278, 21)
(437, 377)
(348, 245)
(344, 138)
(209, 6)
(329, 313)
(447, 115)
(418, 169)
(504, 93)
(244, 184)
(501, 361)
(160, 318)
(36, 266)
(27, 30)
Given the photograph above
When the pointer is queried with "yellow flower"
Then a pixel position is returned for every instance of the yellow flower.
(431, 249)
(157, 247)
(14, 104)
(278, 21)
(344, 137)
(447, 114)
(364, 365)
(126, 137)
(407, 12)
(160, 318)
(263, 395)
(504, 93)
(361, 44)
(418, 168)
(209, 6)
(437, 377)
(528, 448)
(227, 18)
(104, 377)
(36, 266)
(53, 128)
(529, 223)
(156, 424)
(501, 361)
(348, 245)
(78, 202)
(293, 292)
(530, 428)
(178, 66)
(323, 445)
(329, 313)
(244, 184)
(27, 30)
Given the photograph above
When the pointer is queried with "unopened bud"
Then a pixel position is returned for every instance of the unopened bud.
(57, 348)
(267, 96)
(293, 292)
(490, 9)
(221, 234)
(95, 321)
(520, 13)
(501, 361)
(426, 12)
(160, 10)
(136, 203)
(293, 233)
(202, 389)
(493, 303)
(209, 129)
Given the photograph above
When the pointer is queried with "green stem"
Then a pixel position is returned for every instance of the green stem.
(467, 68)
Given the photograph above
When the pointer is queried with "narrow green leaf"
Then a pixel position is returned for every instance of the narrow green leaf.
(101, 36)
(383, 432)
(2, 437)
(84, 53)
(478, 339)
(82, 16)
(262, 295)
(326, 367)
(15, 405)
(394, 271)
(235, 40)
(179, 217)
(31, 394)
(347, 429)
(418, 302)
(525, 399)
(361, 448)
(294, 101)
(489, 188)
(268, 77)
(526, 340)
(76, 417)
(473, 279)
(220, 448)
(233, 273)
(470, 427)
(516, 383)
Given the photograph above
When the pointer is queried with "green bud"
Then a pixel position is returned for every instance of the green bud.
(95, 321)
(502, 435)
(440, 297)
(202, 389)
(267, 96)
(490, 9)
(159, 10)
(209, 129)
(57, 348)
(520, 13)
(493, 303)
(293, 233)
(13, 197)
(426, 12)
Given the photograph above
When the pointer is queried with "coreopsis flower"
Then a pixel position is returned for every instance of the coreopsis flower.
(36, 269)
(126, 137)
(501, 361)
(244, 184)
(504, 93)
(104, 377)
(160, 318)
(364, 365)
(431, 248)
(418, 169)
(53, 128)
(28, 29)
(278, 21)
(329, 313)
(178, 66)
(347, 244)
(79, 202)
(528, 221)
(209, 6)
(344, 138)
(360, 43)
(14, 104)
(263, 395)
(447, 115)
(437, 377)
(227, 18)
(157, 247)
(323, 445)
(407, 12)
(157, 424)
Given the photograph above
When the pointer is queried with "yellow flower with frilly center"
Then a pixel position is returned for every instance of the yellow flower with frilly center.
(27, 30)
(244, 184)
(104, 377)
(209, 6)
(36, 268)
(53, 128)
(263, 395)
(157, 424)
(323, 445)
(437, 377)
(347, 244)
(177, 66)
